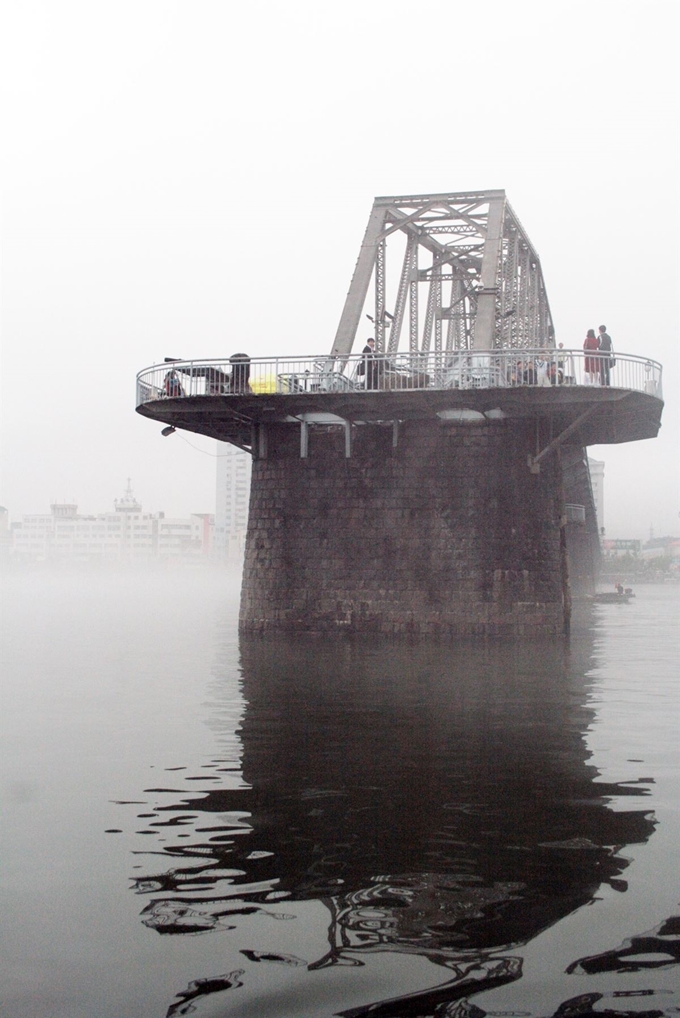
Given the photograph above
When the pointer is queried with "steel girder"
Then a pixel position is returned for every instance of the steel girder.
(482, 273)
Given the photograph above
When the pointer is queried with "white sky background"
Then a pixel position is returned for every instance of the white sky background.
(190, 179)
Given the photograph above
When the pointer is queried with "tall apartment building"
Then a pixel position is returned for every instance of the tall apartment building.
(231, 503)
(597, 484)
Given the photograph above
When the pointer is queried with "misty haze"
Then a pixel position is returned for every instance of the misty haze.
(340, 538)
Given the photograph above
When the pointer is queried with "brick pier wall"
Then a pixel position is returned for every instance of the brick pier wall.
(448, 533)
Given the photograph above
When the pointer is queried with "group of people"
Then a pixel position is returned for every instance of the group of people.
(217, 381)
(544, 369)
(598, 365)
(547, 368)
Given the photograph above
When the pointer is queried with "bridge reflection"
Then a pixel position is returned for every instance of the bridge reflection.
(436, 801)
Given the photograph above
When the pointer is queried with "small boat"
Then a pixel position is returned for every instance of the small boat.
(612, 598)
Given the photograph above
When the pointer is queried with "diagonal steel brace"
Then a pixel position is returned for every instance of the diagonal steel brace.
(534, 462)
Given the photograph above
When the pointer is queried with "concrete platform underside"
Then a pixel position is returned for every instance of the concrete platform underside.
(617, 415)
(448, 533)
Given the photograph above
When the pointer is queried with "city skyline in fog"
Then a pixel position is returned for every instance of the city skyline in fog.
(190, 182)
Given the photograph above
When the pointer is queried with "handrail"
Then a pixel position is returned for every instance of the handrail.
(461, 369)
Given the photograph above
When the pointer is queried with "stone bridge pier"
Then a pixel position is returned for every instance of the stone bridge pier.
(427, 528)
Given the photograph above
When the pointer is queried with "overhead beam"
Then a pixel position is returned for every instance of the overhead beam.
(463, 197)
(409, 219)
(444, 254)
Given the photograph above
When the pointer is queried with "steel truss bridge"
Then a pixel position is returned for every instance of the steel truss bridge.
(469, 277)
(462, 326)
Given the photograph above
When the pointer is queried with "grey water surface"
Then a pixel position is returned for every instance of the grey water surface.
(194, 823)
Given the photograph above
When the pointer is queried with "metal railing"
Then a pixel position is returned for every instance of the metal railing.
(495, 369)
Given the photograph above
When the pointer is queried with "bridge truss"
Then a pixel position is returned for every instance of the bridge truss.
(469, 277)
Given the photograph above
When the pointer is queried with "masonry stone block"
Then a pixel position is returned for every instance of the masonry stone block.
(447, 534)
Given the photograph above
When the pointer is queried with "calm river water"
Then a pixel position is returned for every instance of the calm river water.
(197, 824)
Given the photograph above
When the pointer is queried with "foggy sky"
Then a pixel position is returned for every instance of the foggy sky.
(194, 179)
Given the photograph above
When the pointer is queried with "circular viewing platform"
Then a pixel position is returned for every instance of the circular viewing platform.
(619, 401)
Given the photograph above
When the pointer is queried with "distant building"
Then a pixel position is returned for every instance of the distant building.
(666, 548)
(125, 535)
(621, 547)
(661, 548)
(231, 501)
(597, 483)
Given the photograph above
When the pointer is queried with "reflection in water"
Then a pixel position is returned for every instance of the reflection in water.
(198, 988)
(436, 800)
(656, 949)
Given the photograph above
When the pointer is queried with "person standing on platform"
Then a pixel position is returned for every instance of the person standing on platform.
(592, 364)
(370, 365)
(605, 355)
(542, 368)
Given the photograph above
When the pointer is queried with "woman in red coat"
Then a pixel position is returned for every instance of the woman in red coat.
(592, 364)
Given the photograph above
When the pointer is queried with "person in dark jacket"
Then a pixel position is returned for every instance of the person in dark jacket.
(606, 348)
(372, 365)
(240, 373)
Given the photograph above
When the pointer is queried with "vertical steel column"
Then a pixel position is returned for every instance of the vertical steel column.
(380, 297)
(523, 298)
(513, 256)
(413, 305)
(455, 319)
(470, 304)
(399, 307)
(429, 315)
(438, 310)
(506, 295)
(544, 322)
(535, 339)
(485, 320)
